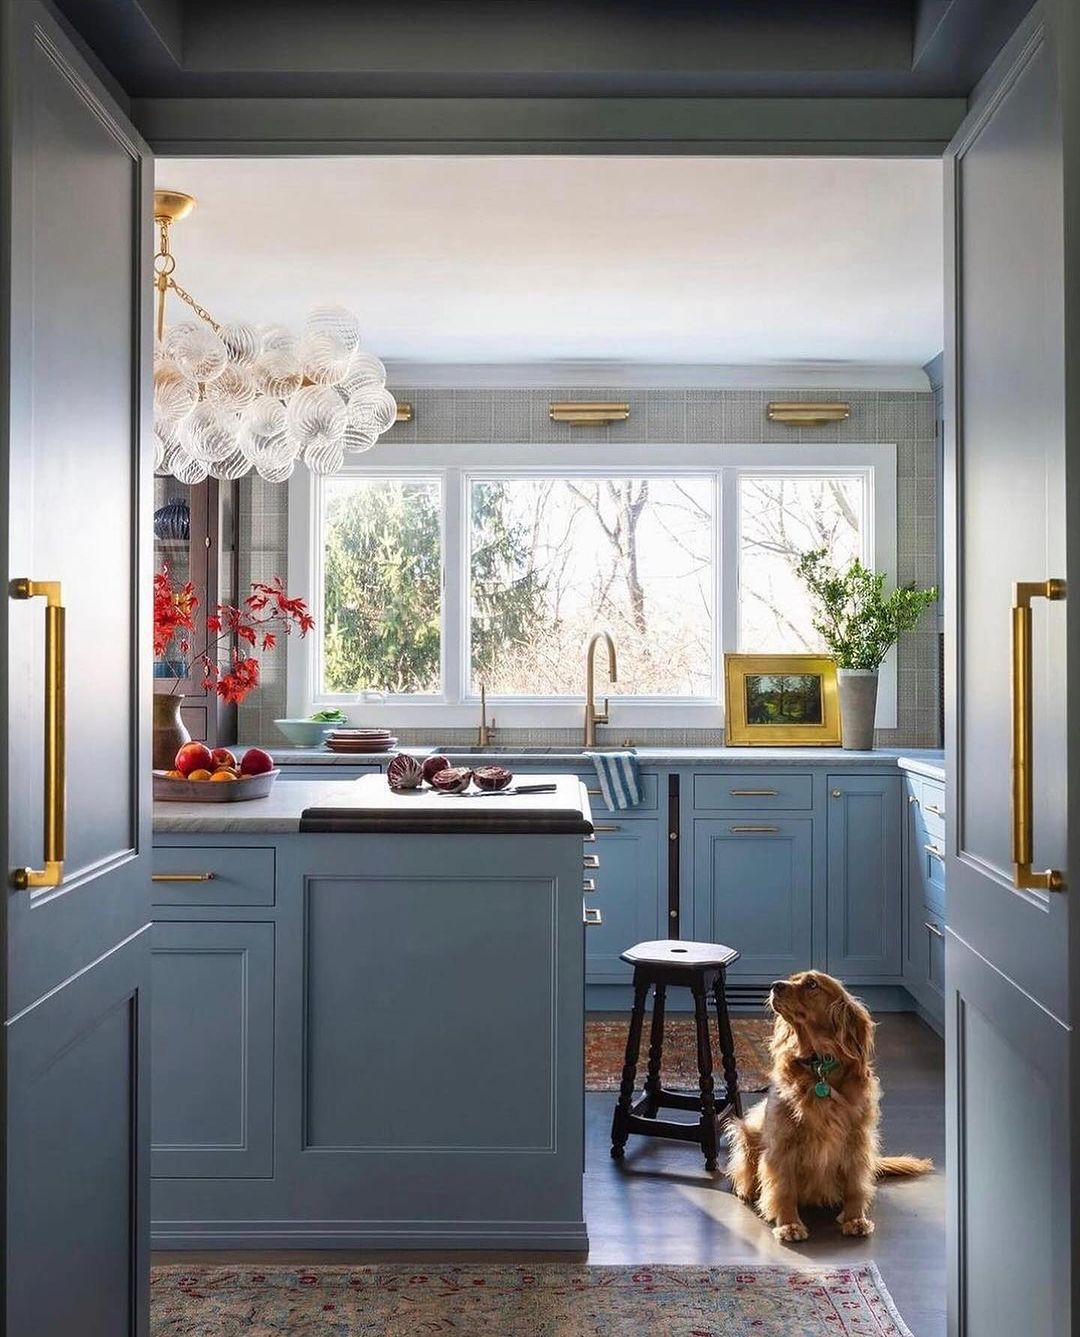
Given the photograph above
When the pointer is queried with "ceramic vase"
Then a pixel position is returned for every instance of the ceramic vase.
(858, 705)
(170, 732)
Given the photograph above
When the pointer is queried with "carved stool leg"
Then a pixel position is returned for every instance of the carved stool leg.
(656, 1049)
(619, 1124)
(705, 1076)
(727, 1047)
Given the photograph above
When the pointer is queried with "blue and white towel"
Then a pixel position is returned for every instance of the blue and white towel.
(620, 778)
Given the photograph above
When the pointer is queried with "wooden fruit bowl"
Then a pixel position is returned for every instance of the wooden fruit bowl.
(168, 790)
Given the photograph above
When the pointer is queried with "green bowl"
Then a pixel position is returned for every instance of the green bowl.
(306, 733)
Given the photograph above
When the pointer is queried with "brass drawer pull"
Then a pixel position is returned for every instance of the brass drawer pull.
(594, 793)
(748, 830)
(54, 821)
(588, 884)
(590, 861)
(590, 916)
(935, 852)
(612, 826)
(929, 807)
(753, 793)
(1023, 778)
(182, 877)
(933, 928)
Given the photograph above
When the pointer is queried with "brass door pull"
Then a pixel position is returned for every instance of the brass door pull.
(1023, 779)
(182, 877)
(55, 794)
(747, 830)
(753, 793)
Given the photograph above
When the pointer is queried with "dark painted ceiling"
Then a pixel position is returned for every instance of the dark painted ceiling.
(545, 48)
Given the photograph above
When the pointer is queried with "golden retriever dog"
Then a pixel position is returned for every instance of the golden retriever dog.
(814, 1139)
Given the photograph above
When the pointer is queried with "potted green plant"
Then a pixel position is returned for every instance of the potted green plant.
(859, 623)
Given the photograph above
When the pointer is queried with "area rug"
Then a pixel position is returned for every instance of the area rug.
(605, 1047)
(547, 1300)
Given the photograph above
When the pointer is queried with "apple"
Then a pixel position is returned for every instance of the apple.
(223, 757)
(256, 762)
(193, 757)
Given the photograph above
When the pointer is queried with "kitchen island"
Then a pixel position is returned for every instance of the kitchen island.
(367, 1023)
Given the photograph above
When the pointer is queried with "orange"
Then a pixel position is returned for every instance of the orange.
(200, 775)
(223, 775)
(175, 775)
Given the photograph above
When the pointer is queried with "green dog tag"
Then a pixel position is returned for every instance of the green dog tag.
(822, 1089)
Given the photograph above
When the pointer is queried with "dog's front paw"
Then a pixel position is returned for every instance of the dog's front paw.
(791, 1232)
(856, 1225)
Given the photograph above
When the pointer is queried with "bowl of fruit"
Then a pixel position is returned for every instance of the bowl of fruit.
(214, 775)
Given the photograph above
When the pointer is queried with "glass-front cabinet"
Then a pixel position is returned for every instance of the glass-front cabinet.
(195, 538)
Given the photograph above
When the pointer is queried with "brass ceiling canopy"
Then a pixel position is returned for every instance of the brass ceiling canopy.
(799, 413)
(172, 205)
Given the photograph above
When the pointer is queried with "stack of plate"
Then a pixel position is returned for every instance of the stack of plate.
(361, 740)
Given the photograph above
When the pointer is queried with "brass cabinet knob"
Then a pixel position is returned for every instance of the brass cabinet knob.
(838, 793)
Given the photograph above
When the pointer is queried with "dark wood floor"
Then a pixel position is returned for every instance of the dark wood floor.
(659, 1205)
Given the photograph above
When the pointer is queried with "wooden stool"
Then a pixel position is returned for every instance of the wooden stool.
(701, 968)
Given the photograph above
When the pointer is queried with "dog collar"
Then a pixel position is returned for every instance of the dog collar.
(820, 1065)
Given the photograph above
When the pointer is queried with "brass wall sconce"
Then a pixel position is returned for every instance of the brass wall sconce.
(588, 414)
(404, 412)
(797, 414)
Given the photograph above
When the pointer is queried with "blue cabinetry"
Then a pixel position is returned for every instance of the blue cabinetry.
(630, 894)
(753, 889)
(864, 871)
(924, 894)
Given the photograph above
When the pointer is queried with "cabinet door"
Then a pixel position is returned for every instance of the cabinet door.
(631, 895)
(212, 1050)
(864, 873)
(753, 884)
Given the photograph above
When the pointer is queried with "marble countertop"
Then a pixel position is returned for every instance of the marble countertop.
(924, 761)
(367, 804)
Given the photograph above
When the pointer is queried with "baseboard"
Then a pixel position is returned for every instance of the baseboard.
(935, 1022)
(565, 1236)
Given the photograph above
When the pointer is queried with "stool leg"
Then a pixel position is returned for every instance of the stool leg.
(727, 1047)
(705, 1077)
(620, 1123)
(656, 1049)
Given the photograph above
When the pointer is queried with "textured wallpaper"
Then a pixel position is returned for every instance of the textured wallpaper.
(509, 415)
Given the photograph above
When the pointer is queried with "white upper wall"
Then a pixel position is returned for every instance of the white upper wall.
(758, 261)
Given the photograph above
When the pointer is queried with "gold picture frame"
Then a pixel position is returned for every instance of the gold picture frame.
(762, 712)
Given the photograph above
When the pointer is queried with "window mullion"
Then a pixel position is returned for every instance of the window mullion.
(454, 587)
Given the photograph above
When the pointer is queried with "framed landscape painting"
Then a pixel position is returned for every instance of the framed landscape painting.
(781, 701)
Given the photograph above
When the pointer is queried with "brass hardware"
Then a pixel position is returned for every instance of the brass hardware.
(591, 916)
(593, 793)
(673, 914)
(483, 732)
(673, 835)
(797, 414)
(933, 928)
(752, 793)
(838, 793)
(590, 839)
(55, 793)
(614, 826)
(588, 413)
(593, 717)
(172, 205)
(182, 877)
(930, 808)
(590, 861)
(588, 884)
(911, 798)
(404, 411)
(1023, 787)
(747, 830)
(935, 852)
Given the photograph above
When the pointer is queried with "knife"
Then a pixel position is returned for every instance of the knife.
(514, 789)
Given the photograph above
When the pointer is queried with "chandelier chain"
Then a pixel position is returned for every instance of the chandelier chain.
(200, 311)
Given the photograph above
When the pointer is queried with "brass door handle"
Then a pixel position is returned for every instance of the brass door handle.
(182, 877)
(55, 800)
(1023, 786)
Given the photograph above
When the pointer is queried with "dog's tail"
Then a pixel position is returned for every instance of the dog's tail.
(908, 1166)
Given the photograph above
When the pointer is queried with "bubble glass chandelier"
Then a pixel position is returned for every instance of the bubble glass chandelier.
(235, 397)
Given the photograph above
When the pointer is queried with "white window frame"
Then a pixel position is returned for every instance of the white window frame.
(456, 466)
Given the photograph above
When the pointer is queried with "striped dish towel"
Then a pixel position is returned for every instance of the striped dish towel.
(620, 778)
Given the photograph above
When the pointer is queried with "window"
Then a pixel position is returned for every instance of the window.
(552, 559)
(381, 586)
(438, 569)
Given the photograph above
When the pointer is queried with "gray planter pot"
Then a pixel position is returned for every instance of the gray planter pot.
(858, 703)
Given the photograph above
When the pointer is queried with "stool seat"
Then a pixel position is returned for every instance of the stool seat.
(672, 952)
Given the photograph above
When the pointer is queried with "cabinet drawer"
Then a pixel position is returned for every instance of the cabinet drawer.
(930, 800)
(197, 875)
(650, 788)
(741, 791)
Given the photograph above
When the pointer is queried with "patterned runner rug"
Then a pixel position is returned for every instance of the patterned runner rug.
(546, 1300)
(605, 1046)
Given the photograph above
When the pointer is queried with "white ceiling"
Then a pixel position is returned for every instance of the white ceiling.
(538, 260)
